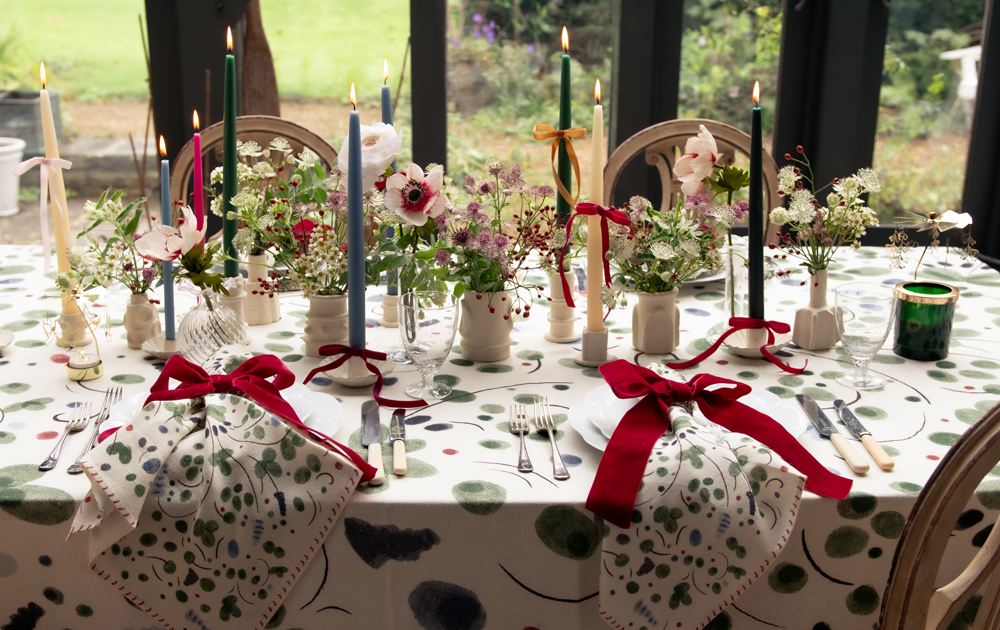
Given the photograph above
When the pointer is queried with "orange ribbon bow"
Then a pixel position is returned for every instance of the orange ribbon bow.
(544, 132)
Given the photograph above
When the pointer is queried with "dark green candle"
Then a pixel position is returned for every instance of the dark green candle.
(565, 169)
(755, 243)
(924, 314)
(229, 173)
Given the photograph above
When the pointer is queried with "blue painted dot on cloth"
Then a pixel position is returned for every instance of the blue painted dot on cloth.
(322, 381)
(697, 311)
(695, 537)
(441, 426)
(392, 380)
(443, 606)
(163, 429)
(233, 548)
(105, 467)
(8, 565)
(571, 460)
(45, 561)
(151, 465)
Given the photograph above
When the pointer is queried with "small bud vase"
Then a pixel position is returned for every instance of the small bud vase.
(142, 321)
(816, 325)
(207, 327)
(261, 305)
(656, 322)
(485, 336)
(326, 322)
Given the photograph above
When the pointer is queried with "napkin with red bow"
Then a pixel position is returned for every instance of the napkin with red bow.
(696, 513)
(206, 507)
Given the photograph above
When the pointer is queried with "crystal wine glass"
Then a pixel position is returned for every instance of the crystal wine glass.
(427, 324)
(864, 317)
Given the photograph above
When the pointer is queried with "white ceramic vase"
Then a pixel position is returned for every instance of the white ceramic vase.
(142, 321)
(656, 322)
(261, 307)
(815, 325)
(326, 322)
(562, 317)
(485, 336)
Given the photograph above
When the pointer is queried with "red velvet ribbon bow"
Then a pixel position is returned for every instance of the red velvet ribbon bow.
(621, 469)
(591, 209)
(746, 323)
(346, 353)
(250, 378)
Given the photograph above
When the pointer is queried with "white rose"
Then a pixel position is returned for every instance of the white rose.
(380, 144)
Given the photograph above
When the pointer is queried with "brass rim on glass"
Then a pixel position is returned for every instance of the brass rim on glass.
(926, 292)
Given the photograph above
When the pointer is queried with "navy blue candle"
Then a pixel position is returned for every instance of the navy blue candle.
(355, 234)
(392, 275)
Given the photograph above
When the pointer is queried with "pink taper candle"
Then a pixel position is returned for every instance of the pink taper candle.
(199, 184)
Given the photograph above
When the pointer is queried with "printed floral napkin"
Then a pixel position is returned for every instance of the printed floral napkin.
(714, 510)
(204, 512)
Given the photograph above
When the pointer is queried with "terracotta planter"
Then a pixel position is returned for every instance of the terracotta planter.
(816, 325)
(562, 317)
(485, 336)
(261, 307)
(656, 322)
(326, 322)
(142, 322)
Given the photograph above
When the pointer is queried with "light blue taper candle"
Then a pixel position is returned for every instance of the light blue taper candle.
(168, 283)
(391, 275)
(355, 235)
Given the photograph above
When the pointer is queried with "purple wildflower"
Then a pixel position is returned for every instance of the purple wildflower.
(543, 191)
(477, 18)
(500, 241)
(336, 200)
(148, 274)
(483, 242)
(740, 209)
(461, 237)
(699, 203)
(486, 188)
(470, 183)
(128, 266)
(531, 49)
(442, 257)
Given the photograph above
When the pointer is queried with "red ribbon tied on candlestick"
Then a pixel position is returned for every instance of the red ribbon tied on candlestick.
(251, 379)
(620, 472)
(346, 353)
(606, 214)
(747, 323)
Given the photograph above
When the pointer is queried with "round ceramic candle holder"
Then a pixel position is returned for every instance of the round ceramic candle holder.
(87, 371)
(161, 347)
(73, 330)
(924, 315)
(594, 351)
(354, 372)
(389, 317)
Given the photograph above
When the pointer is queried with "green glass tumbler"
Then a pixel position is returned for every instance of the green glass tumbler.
(924, 313)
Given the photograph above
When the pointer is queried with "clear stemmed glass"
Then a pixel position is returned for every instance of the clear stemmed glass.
(864, 317)
(427, 324)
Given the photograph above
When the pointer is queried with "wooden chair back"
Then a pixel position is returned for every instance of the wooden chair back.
(910, 601)
(260, 129)
(662, 143)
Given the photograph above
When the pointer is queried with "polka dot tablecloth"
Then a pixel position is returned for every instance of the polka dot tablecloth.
(465, 541)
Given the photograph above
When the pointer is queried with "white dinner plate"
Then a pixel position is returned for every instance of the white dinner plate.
(315, 409)
(598, 414)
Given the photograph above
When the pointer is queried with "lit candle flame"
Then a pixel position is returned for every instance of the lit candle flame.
(163, 147)
(385, 70)
(565, 40)
(196, 121)
(597, 91)
(756, 92)
(354, 99)
(229, 39)
(42, 72)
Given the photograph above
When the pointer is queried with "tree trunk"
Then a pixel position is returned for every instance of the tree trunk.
(260, 84)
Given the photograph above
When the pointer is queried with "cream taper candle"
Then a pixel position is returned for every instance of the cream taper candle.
(595, 248)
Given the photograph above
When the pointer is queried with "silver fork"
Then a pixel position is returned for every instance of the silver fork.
(77, 422)
(111, 398)
(545, 422)
(519, 426)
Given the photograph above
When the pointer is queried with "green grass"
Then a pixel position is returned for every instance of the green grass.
(93, 49)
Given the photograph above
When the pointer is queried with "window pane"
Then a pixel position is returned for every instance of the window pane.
(927, 97)
(503, 78)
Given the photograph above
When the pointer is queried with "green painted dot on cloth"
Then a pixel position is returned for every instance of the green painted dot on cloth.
(944, 377)
(781, 392)
(868, 271)
(846, 541)
(567, 532)
(494, 368)
(888, 359)
(709, 296)
(988, 494)
(7, 438)
(906, 487)
(857, 505)
(492, 408)
(281, 334)
(943, 439)
(291, 358)
(481, 498)
(462, 362)
(722, 621)
(530, 355)
(968, 416)
(819, 393)
(448, 379)
(976, 374)
(28, 343)
(128, 379)
(15, 269)
(527, 399)
(888, 524)
(494, 445)
(787, 578)
(459, 396)
(39, 314)
(863, 600)
(946, 365)
(965, 333)
(870, 413)
(747, 375)
(791, 381)
(84, 611)
(14, 388)
(19, 325)
(278, 347)
(986, 365)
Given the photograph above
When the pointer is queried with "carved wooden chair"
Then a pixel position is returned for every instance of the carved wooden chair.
(910, 601)
(663, 143)
(260, 129)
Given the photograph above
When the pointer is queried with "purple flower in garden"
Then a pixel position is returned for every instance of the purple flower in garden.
(699, 203)
(148, 274)
(485, 188)
(740, 209)
(442, 257)
(531, 49)
(477, 18)
(461, 237)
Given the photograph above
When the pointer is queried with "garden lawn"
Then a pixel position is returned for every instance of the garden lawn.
(93, 48)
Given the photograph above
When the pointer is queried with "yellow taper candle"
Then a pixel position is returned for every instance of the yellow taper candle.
(60, 215)
(595, 257)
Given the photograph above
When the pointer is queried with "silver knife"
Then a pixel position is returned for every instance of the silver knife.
(371, 436)
(828, 430)
(397, 435)
(877, 452)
